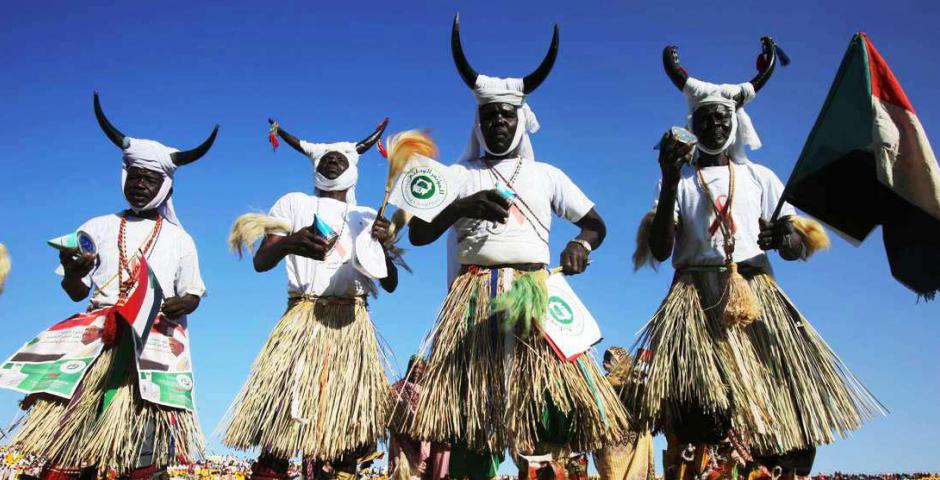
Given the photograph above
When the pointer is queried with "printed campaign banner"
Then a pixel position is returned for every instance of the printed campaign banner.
(568, 325)
(424, 188)
(165, 370)
(57, 359)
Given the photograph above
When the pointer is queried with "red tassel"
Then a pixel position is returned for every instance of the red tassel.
(272, 137)
(109, 337)
(382, 149)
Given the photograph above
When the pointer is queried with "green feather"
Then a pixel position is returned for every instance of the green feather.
(525, 301)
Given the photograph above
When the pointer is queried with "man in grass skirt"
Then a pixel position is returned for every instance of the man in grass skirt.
(92, 405)
(731, 372)
(318, 387)
(492, 380)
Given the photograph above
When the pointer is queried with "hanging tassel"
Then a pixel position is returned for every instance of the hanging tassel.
(272, 136)
(763, 59)
(740, 305)
(382, 150)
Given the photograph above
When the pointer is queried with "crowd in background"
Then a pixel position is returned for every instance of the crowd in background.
(16, 467)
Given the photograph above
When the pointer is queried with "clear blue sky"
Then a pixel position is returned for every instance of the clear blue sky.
(330, 70)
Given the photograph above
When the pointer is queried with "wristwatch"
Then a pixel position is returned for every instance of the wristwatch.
(583, 243)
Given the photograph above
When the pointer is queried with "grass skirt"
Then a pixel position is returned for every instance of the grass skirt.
(318, 386)
(489, 389)
(73, 434)
(776, 380)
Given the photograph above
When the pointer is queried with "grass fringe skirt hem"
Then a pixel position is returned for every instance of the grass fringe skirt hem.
(318, 386)
(776, 380)
(490, 389)
(73, 434)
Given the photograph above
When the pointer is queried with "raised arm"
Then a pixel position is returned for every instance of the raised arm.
(663, 228)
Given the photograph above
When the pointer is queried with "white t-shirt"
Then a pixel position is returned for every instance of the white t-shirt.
(541, 190)
(756, 193)
(172, 258)
(336, 275)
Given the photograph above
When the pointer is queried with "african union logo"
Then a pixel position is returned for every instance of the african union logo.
(73, 366)
(424, 188)
(184, 382)
(563, 316)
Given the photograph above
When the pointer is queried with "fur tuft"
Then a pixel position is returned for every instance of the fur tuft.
(813, 234)
(251, 227)
(399, 221)
(642, 256)
(4, 265)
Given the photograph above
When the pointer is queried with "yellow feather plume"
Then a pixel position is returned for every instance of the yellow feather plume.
(4, 265)
(401, 147)
(251, 227)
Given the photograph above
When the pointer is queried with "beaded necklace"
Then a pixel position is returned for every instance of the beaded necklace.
(125, 285)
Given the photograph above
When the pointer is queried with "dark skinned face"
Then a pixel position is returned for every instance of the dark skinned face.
(498, 122)
(141, 186)
(332, 165)
(712, 125)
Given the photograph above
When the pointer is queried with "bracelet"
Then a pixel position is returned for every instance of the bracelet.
(584, 243)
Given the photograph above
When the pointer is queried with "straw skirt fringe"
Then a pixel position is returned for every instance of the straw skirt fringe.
(318, 386)
(73, 434)
(489, 389)
(776, 380)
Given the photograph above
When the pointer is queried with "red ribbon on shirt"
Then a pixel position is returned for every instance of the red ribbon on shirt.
(722, 215)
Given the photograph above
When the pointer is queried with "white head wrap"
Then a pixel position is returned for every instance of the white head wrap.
(347, 180)
(155, 157)
(502, 90)
(699, 93)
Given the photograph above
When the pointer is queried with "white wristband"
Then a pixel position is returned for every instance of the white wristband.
(583, 243)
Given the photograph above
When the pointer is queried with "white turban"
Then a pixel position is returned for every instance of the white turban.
(347, 180)
(699, 93)
(155, 157)
(502, 90)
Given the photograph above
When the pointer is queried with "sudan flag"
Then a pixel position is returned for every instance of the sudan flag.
(867, 162)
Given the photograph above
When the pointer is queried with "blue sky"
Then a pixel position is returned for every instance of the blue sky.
(330, 71)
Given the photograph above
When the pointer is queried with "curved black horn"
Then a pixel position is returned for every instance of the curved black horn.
(189, 156)
(366, 144)
(115, 135)
(534, 79)
(467, 73)
(770, 54)
(676, 73)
